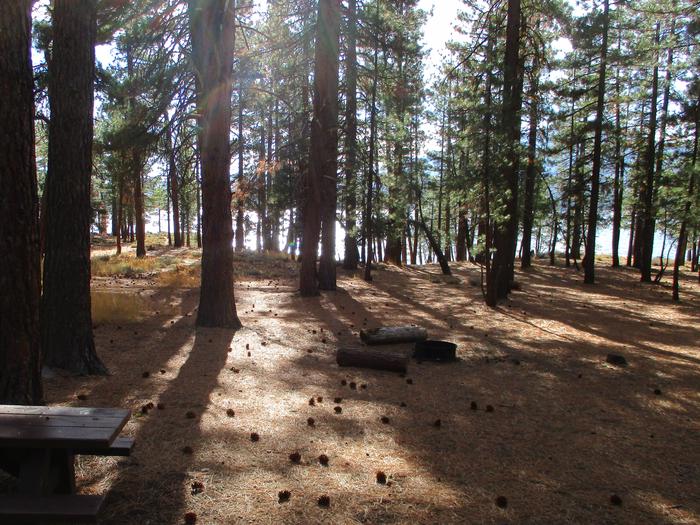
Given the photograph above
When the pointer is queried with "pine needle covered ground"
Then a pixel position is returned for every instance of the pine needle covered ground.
(534, 425)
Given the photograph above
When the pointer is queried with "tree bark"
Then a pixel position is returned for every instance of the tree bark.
(351, 253)
(212, 28)
(646, 240)
(174, 186)
(375, 359)
(589, 267)
(531, 169)
(368, 221)
(327, 85)
(682, 236)
(20, 369)
(321, 179)
(66, 320)
(506, 232)
(393, 334)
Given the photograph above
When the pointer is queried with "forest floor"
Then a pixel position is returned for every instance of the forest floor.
(565, 434)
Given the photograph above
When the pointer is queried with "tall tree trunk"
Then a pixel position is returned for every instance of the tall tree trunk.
(323, 154)
(240, 235)
(174, 186)
(212, 24)
(506, 231)
(66, 320)
(682, 236)
(326, 83)
(367, 226)
(20, 369)
(647, 237)
(531, 169)
(120, 215)
(351, 253)
(140, 223)
(589, 267)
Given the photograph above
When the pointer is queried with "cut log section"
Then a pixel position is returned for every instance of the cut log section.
(393, 334)
(430, 350)
(376, 359)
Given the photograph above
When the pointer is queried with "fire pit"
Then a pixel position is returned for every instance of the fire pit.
(432, 350)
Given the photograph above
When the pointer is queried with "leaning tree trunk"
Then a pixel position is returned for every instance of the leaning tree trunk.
(66, 320)
(326, 86)
(212, 25)
(20, 370)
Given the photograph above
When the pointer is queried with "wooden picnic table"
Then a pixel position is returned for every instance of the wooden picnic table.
(38, 445)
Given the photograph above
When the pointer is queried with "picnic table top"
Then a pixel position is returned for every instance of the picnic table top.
(60, 427)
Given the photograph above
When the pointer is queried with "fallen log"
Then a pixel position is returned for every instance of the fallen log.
(376, 359)
(393, 334)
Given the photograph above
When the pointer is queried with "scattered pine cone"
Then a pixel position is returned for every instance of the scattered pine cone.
(283, 496)
(319, 399)
(312, 402)
(324, 501)
(385, 420)
(323, 460)
(615, 500)
(82, 397)
(146, 374)
(197, 487)
(187, 449)
(501, 502)
(381, 477)
(190, 518)
(254, 436)
(489, 408)
(474, 406)
(230, 412)
(190, 415)
(338, 410)
(311, 422)
(338, 400)
(409, 381)
(295, 457)
(160, 406)
(343, 382)
(437, 423)
(353, 385)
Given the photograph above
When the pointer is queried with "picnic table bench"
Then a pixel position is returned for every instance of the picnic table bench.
(38, 445)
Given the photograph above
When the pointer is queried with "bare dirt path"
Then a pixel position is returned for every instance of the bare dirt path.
(566, 431)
